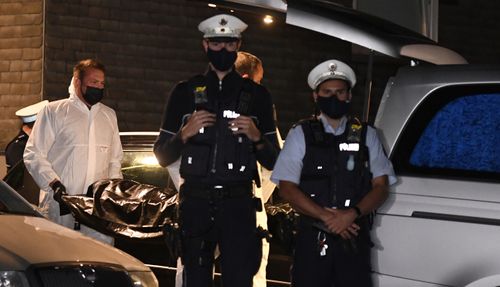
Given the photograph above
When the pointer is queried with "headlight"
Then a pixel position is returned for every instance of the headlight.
(13, 279)
(143, 279)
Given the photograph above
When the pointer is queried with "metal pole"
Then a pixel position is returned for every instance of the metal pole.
(368, 88)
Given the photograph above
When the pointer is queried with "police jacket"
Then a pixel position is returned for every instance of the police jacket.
(336, 169)
(15, 149)
(215, 155)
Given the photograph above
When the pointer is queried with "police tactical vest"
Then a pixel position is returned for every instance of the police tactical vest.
(215, 155)
(336, 169)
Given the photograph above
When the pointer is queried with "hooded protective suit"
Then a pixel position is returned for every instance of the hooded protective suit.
(76, 145)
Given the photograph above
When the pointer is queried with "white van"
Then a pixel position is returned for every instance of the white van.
(441, 223)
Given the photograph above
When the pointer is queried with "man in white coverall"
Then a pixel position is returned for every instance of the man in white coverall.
(74, 142)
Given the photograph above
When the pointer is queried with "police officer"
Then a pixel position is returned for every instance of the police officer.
(334, 172)
(220, 125)
(15, 149)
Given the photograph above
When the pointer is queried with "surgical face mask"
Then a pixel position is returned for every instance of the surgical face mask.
(222, 60)
(332, 107)
(93, 95)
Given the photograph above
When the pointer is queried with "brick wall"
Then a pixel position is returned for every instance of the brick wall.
(21, 29)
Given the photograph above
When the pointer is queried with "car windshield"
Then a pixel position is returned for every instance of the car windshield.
(139, 162)
(12, 203)
(142, 166)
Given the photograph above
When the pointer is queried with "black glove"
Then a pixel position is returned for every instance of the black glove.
(60, 190)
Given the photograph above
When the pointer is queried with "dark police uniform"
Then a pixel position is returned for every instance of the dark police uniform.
(216, 202)
(15, 149)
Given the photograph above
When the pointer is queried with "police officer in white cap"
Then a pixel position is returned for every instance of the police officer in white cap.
(14, 150)
(219, 125)
(334, 172)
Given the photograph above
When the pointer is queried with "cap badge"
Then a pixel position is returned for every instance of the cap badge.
(223, 22)
(332, 67)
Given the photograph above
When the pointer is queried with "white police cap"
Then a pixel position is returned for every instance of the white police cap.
(329, 70)
(222, 25)
(28, 114)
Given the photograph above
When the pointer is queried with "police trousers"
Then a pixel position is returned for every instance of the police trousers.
(345, 264)
(227, 222)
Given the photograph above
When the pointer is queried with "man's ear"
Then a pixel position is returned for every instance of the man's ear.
(204, 42)
(77, 83)
(314, 96)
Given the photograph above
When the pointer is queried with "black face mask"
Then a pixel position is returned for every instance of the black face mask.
(222, 60)
(332, 107)
(93, 95)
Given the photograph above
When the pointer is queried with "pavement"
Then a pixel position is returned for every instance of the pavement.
(155, 254)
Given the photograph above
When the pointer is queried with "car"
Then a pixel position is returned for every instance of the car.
(440, 127)
(438, 120)
(139, 162)
(37, 252)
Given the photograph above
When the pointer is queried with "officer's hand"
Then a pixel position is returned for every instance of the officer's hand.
(328, 218)
(350, 232)
(198, 120)
(245, 125)
(342, 219)
(60, 190)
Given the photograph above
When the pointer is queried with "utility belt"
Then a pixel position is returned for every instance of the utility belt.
(217, 191)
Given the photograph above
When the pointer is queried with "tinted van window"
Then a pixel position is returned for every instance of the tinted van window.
(454, 134)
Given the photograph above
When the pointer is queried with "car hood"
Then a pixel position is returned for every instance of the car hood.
(27, 240)
(359, 28)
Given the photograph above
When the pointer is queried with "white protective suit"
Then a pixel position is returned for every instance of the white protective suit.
(76, 145)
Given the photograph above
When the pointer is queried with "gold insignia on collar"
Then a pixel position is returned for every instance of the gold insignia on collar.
(200, 89)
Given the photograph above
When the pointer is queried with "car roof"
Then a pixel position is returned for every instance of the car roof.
(138, 140)
(359, 28)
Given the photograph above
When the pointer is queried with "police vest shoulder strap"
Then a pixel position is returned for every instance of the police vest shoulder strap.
(356, 131)
(314, 131)
(197, 86)
(197, 81)
(245, 97)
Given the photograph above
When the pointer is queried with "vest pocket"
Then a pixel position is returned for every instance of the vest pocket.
(318, 190)
(239, 159)
(317, 163)
(195, 160)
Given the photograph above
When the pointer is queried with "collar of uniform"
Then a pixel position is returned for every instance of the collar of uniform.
(329, 129)
(22, 134)
(210, 73)
(231, 83)
(83, 106)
